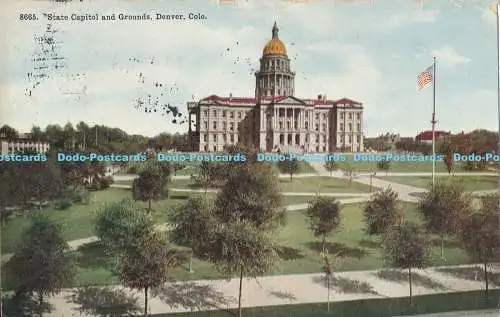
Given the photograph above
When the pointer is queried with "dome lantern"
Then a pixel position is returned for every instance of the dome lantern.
(274, 47)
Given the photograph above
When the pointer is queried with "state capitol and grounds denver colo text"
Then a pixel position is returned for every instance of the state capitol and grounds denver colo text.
(125, 17)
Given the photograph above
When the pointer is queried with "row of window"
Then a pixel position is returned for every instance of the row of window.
(224, 113)
(349, 127)
(275, 64)
(239, 114)
(350, 116)
(232, 138)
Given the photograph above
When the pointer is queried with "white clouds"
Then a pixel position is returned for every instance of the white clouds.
(449, 57)
(409, 17)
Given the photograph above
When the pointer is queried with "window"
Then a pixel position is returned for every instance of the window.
(214, 125)
(205, 148)
(239, 114)
(324, 115)
(324, 138)
(281, 124)
(341, 128)
(231, 137)
(215, 137)
(350, 139)
(296, 123)
(215, 148)
(224, 138)
(324, 127)
(224, 125)
(205, 138)
(317, 116)
(316, 127)
(324, 149)
(231, 114)
(215, 113)
(317, 149)
(307, 138)
(306, 125)
(282, 139)
(358, 116)
(358, 139)
(297, 139)
(205, 125)
(205, 113)
(358, 127)
(341, 116)
(231, 126)
(288, 125)
(350, 115)
(317, 138)
(224, 113)
(349, 127)
(289, 139)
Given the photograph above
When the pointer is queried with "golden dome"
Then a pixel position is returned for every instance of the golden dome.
(274, 46)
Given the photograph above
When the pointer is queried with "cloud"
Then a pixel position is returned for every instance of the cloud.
(410, 17)
(449, 57)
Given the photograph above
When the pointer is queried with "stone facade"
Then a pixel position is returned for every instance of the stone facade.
(275, 120)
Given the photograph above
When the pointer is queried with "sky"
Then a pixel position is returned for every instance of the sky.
(368, 51)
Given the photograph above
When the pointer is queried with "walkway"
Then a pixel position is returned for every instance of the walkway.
(475, 313)
(282, 290)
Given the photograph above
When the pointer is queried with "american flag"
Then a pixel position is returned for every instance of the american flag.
(425, 77)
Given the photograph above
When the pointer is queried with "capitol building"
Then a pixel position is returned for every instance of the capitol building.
(274, 119)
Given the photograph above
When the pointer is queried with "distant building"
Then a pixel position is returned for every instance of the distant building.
(22, 143)
(274, 119)
(426, 136)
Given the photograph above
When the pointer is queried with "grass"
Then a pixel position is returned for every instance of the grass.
(324, 184)
(298, 248)
(470, 183)
(426, 304)
(78, 221)
(304, 184)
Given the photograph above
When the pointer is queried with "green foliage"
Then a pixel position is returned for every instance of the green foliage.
(289, 166)
(151, 183)
(42, 262)
(193, 224)
(406, 246)
(251, 194)
(331, 165)
(240, 248)
(23, 305)
(120, 224)
(177, 167)
(63, 203)
(324, 216)
(384, 165)
(381, 212)
(443, 206)
(480, 234)
(144, 266)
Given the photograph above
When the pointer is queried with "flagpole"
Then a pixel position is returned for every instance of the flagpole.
(433, 122)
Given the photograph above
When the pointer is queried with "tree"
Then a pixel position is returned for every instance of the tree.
(480, 236)
(331, 166)
(252, 194)
(145, 267)
(448, 148)
(406, 247)
(120, 224)
(177, 167)
(192, 226)
(240, 248)
(348, 172)
(290, 165)
(149, 185)
(324, 217)
(381, 212)
(247, 213)
(42, 263)
(384, 165)
(442, 207)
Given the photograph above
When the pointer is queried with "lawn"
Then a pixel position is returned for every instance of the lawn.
(298, 249)
(427, 304)
(298, 184)
(78, 221)
(324, 184)
(470, 183)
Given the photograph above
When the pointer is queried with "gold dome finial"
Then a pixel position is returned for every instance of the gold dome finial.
(275, 46)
